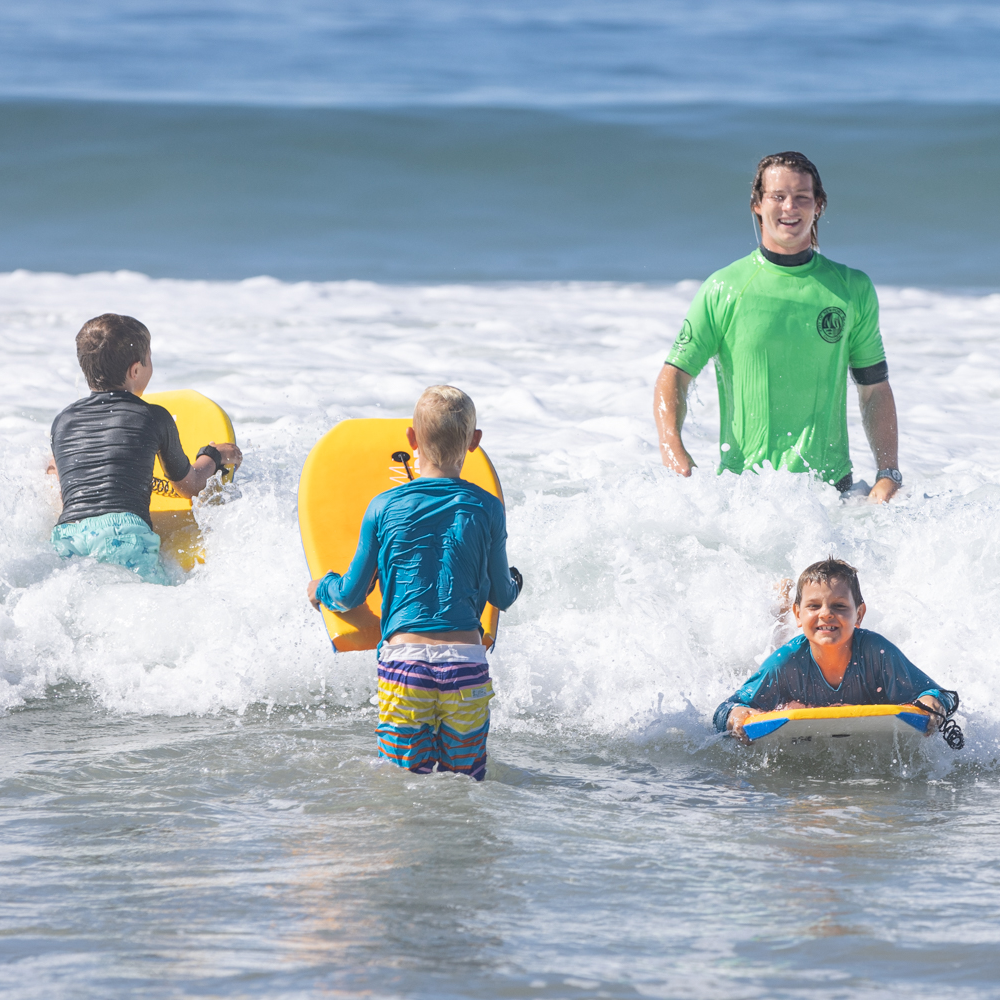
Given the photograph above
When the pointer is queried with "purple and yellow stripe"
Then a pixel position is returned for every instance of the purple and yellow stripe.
(434, 714)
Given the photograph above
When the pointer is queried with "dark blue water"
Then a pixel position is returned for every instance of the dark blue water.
(432, 194)
(434, 140)
(514, 53)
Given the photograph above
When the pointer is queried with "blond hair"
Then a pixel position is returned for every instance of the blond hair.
(444, 421)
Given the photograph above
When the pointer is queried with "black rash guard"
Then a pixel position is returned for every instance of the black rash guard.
(104, 446)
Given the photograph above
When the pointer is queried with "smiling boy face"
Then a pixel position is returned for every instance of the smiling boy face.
(828, 615)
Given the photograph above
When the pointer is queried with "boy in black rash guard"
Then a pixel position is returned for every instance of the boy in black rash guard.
(834, 662)
(104, 446)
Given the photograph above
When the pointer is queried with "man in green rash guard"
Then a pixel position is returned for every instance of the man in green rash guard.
(784, 326)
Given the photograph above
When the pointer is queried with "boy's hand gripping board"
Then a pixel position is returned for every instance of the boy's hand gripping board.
(199, 421)
(837, 724)
(346, 469)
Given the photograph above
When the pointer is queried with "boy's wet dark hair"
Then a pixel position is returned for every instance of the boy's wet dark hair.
(107, 346)
(826, 572)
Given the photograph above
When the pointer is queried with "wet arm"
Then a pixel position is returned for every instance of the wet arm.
(341, 593)
(669, 411)
(503, 589)
(878, 414)
(202, 470)
(721, 717)
(763, 692)
(197, 475)
(905, 684)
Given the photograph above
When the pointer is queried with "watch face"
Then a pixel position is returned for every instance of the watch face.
(894, 474)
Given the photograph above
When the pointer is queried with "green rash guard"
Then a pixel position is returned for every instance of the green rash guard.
(783, 338)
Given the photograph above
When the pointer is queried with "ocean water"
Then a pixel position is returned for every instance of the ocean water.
(321, 208)
(512, 52)
(191, 803)
(444, 140)
(432, 194)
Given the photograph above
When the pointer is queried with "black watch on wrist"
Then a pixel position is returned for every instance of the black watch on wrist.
(894, 474)
(214, 454)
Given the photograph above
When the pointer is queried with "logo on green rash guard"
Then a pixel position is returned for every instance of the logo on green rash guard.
(830, 324)
(685, 336)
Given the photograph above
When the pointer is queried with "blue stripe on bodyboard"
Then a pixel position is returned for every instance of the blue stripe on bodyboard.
(755, 730)
(915, 719)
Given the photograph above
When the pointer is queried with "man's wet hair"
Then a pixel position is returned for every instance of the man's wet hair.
(800, 163)
(827, 571)
(444, 420)
(107, 346)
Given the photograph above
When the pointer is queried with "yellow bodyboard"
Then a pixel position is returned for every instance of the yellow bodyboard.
(837, 712)
(346, 469)
(833, 723)
(199, 421)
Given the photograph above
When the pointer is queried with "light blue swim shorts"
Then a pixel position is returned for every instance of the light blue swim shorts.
(122, 539)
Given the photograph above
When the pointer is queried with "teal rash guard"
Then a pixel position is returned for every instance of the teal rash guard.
(440, 549)
(878, 674)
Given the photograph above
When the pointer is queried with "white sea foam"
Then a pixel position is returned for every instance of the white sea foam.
(647, 596)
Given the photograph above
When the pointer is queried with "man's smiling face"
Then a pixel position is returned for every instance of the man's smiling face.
(828, 615)
(787, 210)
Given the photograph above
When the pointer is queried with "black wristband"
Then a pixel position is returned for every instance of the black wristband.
(871, 374)
(214, 454)
(516, 577)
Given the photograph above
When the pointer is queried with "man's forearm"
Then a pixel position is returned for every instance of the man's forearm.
(669, 411)
(878, 413)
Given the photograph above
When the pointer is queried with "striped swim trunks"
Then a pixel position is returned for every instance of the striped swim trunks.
(434, 707)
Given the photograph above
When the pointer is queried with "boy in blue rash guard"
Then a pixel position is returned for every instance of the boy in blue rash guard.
(438, 545)
(104, 446)
(834, 661)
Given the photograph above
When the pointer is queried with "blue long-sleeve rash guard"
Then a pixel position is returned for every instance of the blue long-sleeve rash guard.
(440, 549)
(878, 674)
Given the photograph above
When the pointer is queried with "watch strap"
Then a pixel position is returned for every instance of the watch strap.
(894, 474)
